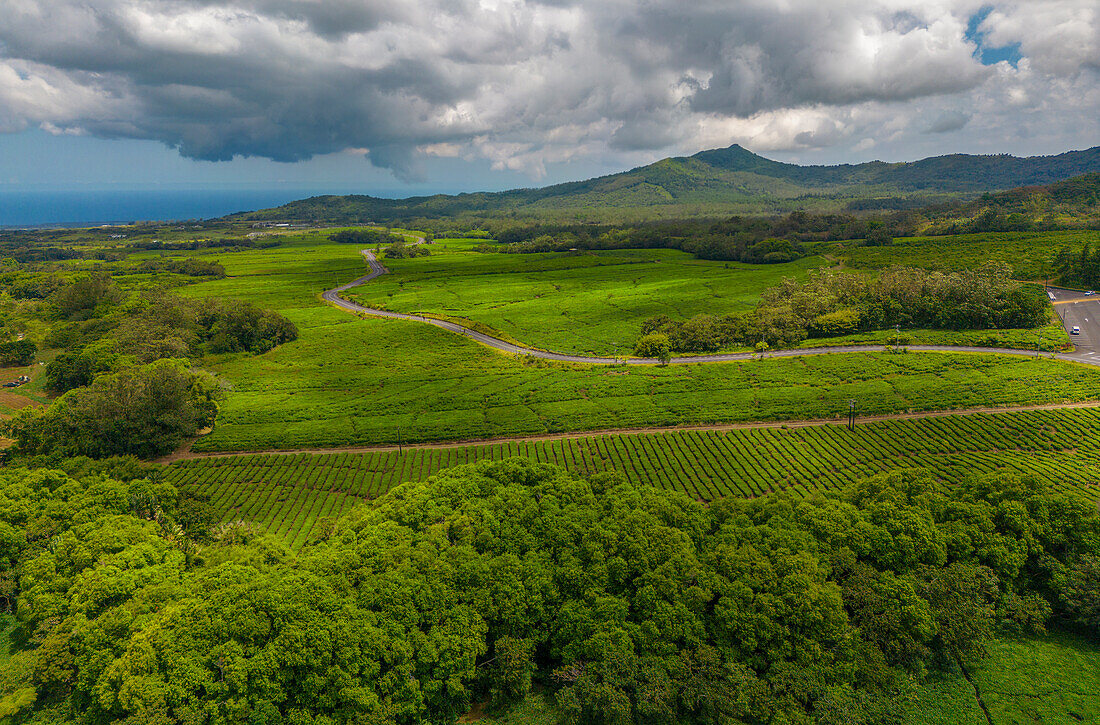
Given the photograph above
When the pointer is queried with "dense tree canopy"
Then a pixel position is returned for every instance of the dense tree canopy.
(632, 604)
(146, 411)
(831, 303)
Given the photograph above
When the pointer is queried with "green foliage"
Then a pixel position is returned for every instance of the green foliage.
(366, 236)
(236, 326)
(189, 266)
(581, 303)
(79, 299)
(844, 321)
(654, 345)
(294, 497)
(831, 303)
(1080, 268)
(631, 603)
(70, 370)
(34, 286)
(400, 250)
(17, 353)
(144, 411)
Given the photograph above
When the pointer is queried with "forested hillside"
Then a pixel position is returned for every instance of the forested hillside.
(712, 183)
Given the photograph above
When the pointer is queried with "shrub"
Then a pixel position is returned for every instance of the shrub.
(17, 352)
(655, 345)
(845, 321)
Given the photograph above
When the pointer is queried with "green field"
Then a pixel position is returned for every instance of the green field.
(351, 381)
(1049, 679)
(594, 302)
(1053, 678)
(1028, 253)
(583, 303)
(289, 494)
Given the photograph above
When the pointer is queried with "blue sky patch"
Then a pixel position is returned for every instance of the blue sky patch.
(985, 54)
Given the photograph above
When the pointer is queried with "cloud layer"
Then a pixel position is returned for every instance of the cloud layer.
(524, 83)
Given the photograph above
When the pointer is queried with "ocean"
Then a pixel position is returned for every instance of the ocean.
(48, 208)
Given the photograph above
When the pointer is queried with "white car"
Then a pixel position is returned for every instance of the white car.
(1075, 330)
(1090, 292)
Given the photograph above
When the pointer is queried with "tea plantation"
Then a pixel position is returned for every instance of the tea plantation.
(290, 494)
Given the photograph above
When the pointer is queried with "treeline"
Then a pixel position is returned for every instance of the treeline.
(628, 604)
(155, 326)
(367, 237)
(832, 304)
(227, 243)
(1078, 268)
(755, 240)
(189, 266)
(24, 285)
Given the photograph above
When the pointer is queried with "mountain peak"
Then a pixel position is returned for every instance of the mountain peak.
(736, 158)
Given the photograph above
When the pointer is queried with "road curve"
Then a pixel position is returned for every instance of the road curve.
(377, 269)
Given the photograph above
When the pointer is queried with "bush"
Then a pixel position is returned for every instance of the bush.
(236, 326)
(833, 324)
(17, 352)
(400, 250)
(655, 345)
(79, 368)
(79, 299)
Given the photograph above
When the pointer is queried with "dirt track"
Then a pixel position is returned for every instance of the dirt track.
(377, 269)
(185, 453)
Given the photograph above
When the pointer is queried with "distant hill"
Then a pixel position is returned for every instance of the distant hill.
(712, 183)
(1067, 204)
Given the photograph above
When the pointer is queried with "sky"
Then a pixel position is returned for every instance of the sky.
(402, 97)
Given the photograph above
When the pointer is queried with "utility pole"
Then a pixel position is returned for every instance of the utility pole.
(897, 335)
(851, 415)
(1039, 347)
(399, 440)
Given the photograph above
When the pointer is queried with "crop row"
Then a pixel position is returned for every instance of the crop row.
(290, 494)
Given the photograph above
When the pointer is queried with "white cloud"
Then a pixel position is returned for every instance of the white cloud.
(524, 83)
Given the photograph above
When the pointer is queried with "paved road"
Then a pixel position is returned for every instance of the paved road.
(1084, 354)
(1083, 311)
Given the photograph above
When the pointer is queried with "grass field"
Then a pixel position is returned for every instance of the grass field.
(595, 302)
(289, 494)
(1050, 679)
(348, 381)
(585, 303)
(1028, 253)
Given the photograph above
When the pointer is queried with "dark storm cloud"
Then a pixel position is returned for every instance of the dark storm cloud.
(520, 83)
(949, 121)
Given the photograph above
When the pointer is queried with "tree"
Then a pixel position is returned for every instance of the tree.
(17, 353)
(879, 236)
(655, 346)
(144, 411)
(70, 370)
(79, 299)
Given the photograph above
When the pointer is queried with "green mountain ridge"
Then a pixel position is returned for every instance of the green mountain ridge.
(713, 182)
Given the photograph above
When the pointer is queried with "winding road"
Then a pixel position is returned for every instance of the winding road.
(377, 269)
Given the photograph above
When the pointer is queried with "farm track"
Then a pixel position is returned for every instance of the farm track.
(377, 269)
(185, 453)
